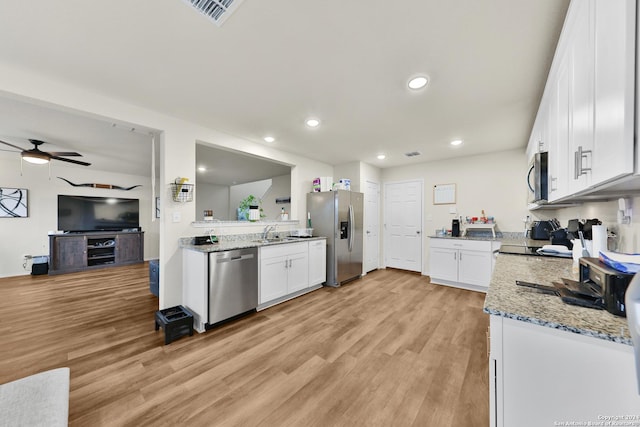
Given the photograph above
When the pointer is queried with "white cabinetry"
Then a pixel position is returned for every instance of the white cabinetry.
(317, 262)
(462, 263)
(195, 280)
(615, 29)
(587, 110)
(541, 376)
(284, 269)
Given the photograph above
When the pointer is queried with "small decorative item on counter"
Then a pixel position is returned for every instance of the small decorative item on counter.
(283, 215)
(254, 213)
(208, 215)
(245, 207)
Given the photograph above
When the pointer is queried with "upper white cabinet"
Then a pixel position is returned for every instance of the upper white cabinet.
(579, 64)
(586, 116)
(615, 30)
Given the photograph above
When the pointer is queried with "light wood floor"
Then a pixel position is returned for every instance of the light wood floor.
(390, 349)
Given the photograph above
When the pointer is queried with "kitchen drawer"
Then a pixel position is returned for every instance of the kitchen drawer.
(472, 245)
(283, 249)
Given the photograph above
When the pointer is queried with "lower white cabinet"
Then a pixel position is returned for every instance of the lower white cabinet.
(540, 376)
(284, 269)
(317, 262)
(462, 263)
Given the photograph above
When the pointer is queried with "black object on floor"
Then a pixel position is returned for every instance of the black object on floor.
(176, 322)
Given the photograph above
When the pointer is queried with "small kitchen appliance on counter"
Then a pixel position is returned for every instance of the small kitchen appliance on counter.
(612, 284)
(541, 230)
(455, 228)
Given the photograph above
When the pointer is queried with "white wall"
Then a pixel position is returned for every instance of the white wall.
(494, 182)
(22, 236)
(213, 197)
(350, 171)
(280, 187)
(628, 240)
(177, 159)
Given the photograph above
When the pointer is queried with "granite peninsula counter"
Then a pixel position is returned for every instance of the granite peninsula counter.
(553, 363)
(506, 299)
(251, 242)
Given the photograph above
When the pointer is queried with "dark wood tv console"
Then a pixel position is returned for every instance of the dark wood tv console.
(83, 251)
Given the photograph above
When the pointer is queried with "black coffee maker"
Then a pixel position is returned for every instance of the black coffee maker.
(455, 228)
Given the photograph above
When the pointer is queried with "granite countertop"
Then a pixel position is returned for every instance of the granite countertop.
(504, 238)
(243, 244)
(504, 298)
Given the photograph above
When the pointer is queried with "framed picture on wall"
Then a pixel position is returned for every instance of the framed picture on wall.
(13, 203)
(444, 194)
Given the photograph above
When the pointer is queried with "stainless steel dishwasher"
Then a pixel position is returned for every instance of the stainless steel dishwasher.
(233, 283)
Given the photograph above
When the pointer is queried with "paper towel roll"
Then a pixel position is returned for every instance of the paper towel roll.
(599, 237)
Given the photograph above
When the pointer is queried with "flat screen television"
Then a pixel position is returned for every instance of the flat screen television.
(88, 213)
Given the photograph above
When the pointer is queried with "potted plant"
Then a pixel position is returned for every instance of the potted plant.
(246, 204)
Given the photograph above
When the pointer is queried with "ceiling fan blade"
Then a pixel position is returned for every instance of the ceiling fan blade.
(64, 153)
(11, 145)
(77, 162)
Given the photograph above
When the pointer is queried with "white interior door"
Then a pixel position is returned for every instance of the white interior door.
(403, 225)
(372, 225)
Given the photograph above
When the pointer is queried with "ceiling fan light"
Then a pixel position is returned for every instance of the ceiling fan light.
(35, 158)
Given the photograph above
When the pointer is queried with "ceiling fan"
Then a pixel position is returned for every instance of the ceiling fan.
(35, 155)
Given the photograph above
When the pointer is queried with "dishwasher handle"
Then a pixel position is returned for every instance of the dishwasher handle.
(223, 259)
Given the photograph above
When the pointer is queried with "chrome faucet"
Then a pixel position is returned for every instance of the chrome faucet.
(266, 231)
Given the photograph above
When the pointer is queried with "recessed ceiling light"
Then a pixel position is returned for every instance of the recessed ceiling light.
(456, 142)
(202, 168)
(269, 139)
(418, 82)
(312, 123)
(381, 157)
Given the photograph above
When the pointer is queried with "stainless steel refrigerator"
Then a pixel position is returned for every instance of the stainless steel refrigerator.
(338, 215)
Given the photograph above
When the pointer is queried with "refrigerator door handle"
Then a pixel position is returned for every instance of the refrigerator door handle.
(351, 227)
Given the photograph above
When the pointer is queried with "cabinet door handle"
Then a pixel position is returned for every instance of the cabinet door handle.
(455, 255)
(460, 256)
(579, 156)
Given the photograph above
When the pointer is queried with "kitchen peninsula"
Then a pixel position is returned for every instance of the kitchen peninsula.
(551, 362)
(273, 270)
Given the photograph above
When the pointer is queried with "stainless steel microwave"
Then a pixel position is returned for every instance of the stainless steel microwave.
(538, 178)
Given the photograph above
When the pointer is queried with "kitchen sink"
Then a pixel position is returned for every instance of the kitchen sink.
(275, 240)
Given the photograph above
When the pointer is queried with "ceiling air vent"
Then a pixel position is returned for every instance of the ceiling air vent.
(216, 10)
(412, 153)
